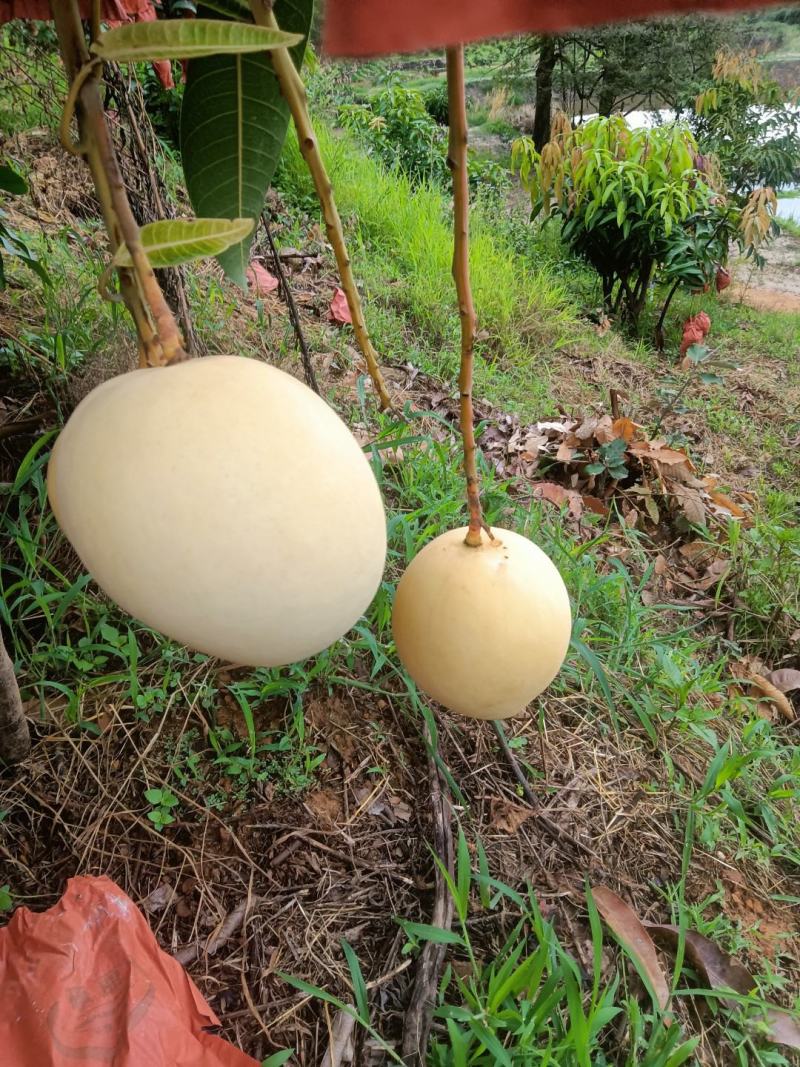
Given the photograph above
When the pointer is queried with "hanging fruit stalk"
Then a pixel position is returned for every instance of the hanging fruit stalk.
(457, 162)
(160, 340)
(481, 625)
(294, 92)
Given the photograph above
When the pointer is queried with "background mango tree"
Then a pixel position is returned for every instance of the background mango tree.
(637, 205)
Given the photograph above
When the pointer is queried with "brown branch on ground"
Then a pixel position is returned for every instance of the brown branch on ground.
(219, 937)
(544, 820)
(160, 340)
(305, 355)
(419, 1014)
(15, 737)
(457, 162)
(294, 92)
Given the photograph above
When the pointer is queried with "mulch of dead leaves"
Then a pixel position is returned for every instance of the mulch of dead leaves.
(277, 882)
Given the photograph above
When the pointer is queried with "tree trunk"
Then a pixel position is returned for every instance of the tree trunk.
(544, 92)
(605, 101)
(15, 738)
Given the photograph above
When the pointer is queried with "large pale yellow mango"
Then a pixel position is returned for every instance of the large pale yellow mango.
(482, 630)
(223, 503)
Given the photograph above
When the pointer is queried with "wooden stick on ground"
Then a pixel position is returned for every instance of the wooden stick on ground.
(544, 820)
(295, 94)
(15, 737)
(419, 1014)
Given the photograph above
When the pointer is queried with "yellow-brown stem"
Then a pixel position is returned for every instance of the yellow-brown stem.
(159, 337)
(457, 162)
(295, 95)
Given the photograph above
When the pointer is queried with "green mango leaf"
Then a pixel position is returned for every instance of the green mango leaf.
(186, 39)
(233, 125)
(174, 241)
(11, 182)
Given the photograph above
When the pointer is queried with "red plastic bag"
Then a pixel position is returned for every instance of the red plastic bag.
(260, 279)
(340, 309)
(86, 984)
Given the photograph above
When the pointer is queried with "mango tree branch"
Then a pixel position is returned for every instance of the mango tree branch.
(457, 162)
(295, 95)
(159, 337)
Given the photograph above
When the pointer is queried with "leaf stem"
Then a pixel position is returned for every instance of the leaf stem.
(160, 339)
(457, 162)
(295, 95)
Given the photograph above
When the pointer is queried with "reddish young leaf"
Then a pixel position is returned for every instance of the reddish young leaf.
(625, 923)
(340, 311)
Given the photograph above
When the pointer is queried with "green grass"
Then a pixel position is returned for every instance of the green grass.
(402, 249)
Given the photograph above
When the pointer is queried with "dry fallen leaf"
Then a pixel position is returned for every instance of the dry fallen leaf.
(725, 502)
(160, 897)
(508, 817)
(771, 692)
(690, 503)
(604, 431)
(558, 495)
(594, 503)
(715, 573)
(625, 923)
(721, 971)
(786, 680)
(624, 428)
(718, 969)
(659, 454)
(565, 452)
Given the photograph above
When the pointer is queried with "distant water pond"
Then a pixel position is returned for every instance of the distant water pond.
(789, 207)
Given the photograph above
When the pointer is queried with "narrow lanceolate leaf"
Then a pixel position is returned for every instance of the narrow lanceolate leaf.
(174, 241)
(635, 940)
(187, 39)
(233, 125)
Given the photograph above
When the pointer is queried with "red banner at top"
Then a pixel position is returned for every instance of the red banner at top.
(381, 27)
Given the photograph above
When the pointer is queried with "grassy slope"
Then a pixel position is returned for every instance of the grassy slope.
(638, 670)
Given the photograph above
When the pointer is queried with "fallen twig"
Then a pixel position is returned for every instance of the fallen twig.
(219, 937)
(558, 832)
